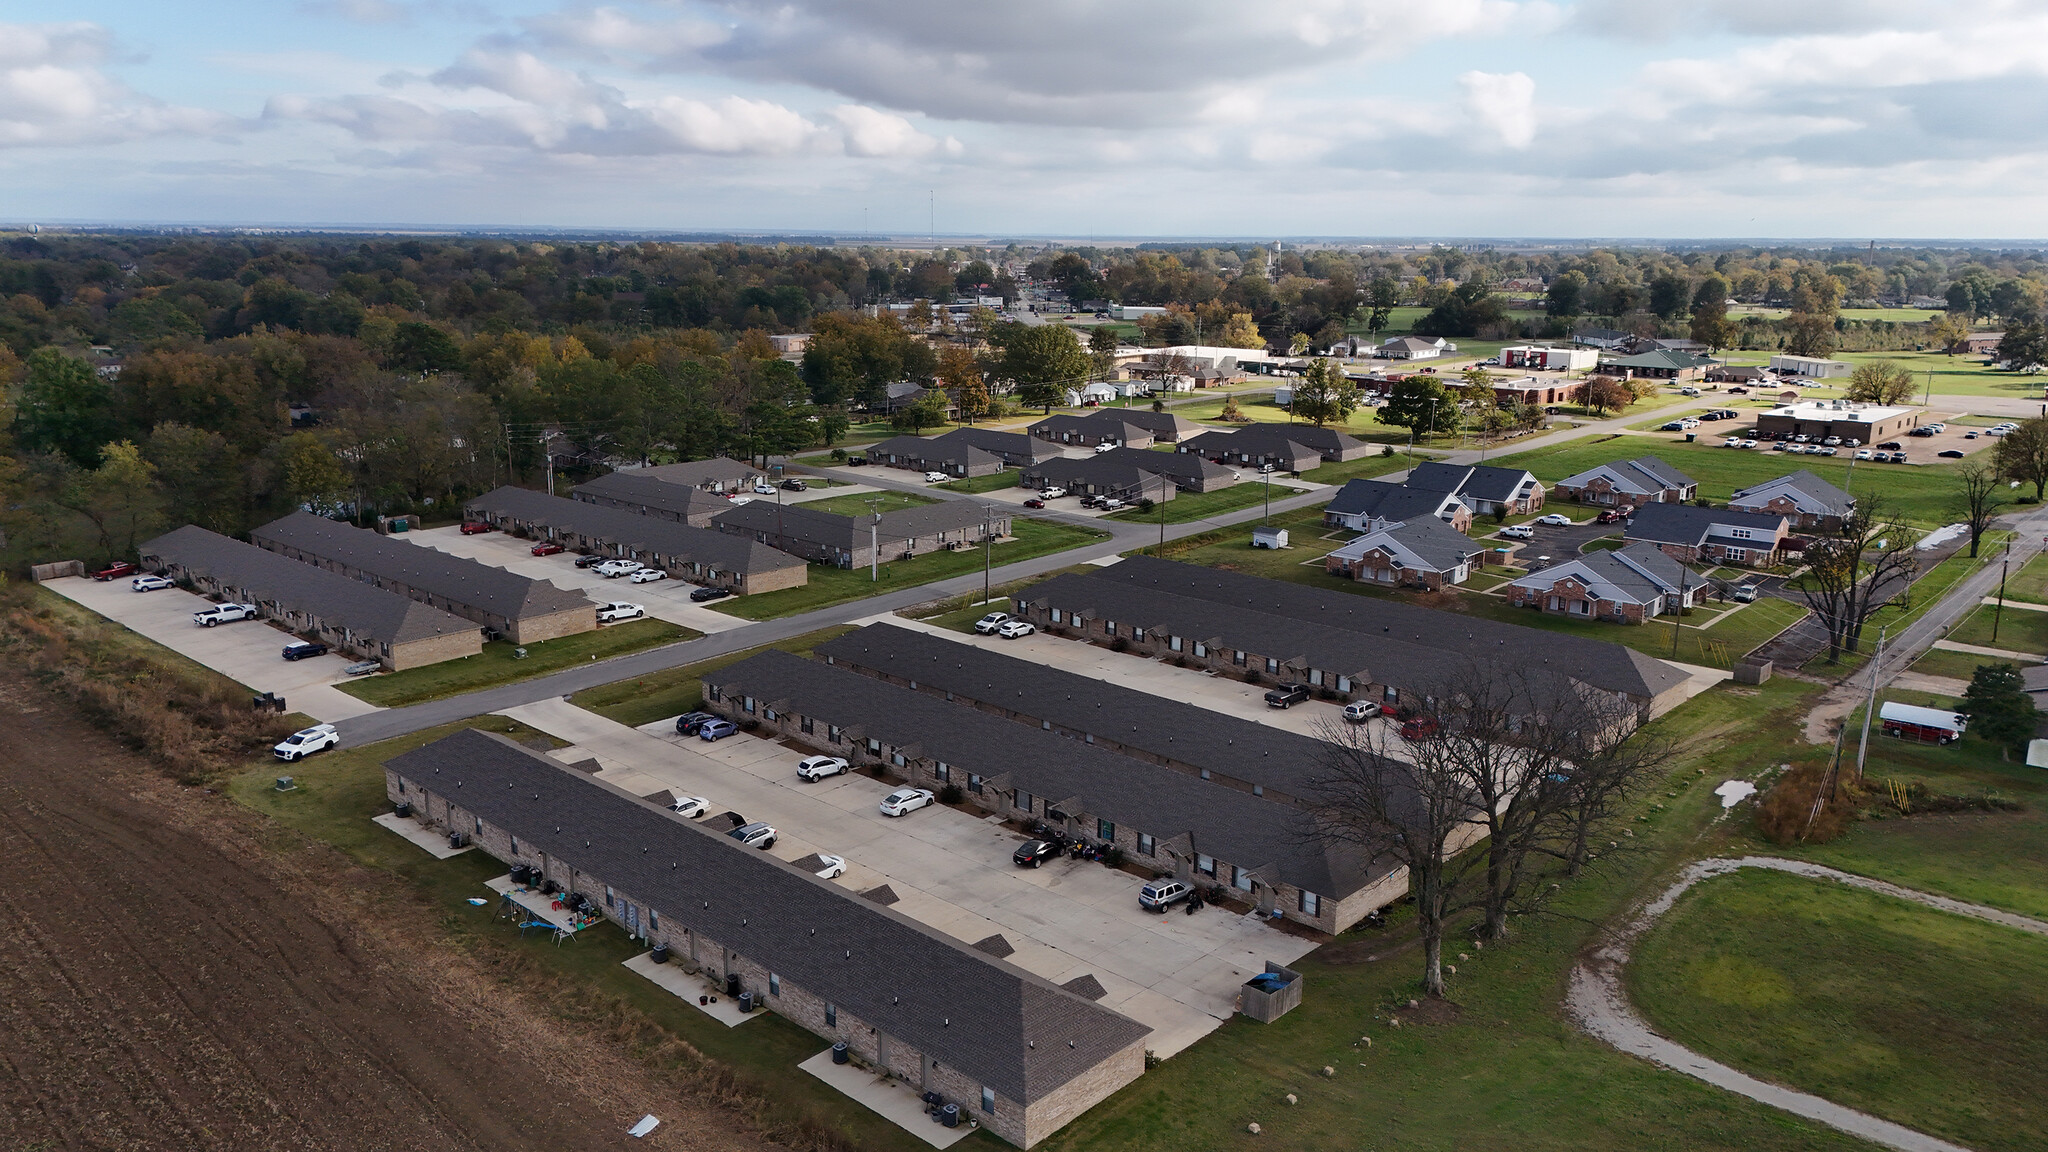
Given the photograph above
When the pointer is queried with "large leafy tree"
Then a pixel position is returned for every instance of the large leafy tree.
(64, 407)
(1039, 360)
(1324, 394)
(1880, 382)
(2022, 454)
(1422, 405)
(2000, 709)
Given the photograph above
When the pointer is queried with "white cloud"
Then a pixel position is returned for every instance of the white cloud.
(1503, 104)
(53, 92)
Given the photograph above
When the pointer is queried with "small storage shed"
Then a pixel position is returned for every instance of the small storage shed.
(1925, 725)
(1267, 536)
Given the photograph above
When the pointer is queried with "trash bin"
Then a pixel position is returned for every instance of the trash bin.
(840, 1053)
(952, 1113)
(661, 953)
(746, 1002)
(404, 811)
(732, 983)
(457, 840)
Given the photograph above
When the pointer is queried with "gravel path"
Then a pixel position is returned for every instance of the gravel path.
(1599, 1002)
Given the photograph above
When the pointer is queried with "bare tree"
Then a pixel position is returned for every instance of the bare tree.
(1852, 575)
(1978, 498)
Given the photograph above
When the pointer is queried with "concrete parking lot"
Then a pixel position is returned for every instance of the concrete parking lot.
(1177, 974)
(247, 651)
(664, 599)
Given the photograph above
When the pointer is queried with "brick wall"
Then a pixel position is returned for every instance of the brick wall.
(568, 622)
(434, 649)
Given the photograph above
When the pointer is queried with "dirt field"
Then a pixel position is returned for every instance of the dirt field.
(167, 982)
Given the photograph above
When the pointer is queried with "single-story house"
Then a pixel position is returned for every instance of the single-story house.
(1014, 449)
(1661, 364)
(1982, 343)
(1097, 476)
(699, 555)
(1188, 472)
(1104, 426)
(1423, 553)
(1630, 585)
(816, 954)
(525, 611)
(858, 541)
(903, 393)
(638, 491)
(1809, 502)
(1411, 348)
(1367, 505)
(1690, 534)
(717, 474)
(1738, 374)
(1627, 484)
(1483, 488)
(347, 615)
(1277, 444)
(935, 454)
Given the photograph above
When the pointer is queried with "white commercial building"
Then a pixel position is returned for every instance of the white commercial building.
(1544, 358)
(1814, 367)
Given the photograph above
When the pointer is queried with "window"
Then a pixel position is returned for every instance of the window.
(1390, 694)
(607, 895)
(479, 825)
(769, 713)
(1104, 830)
(1206, 865)
(653, 920)
(1057, 616)
(1315, 677)
(1311, 904)
(1201, 649)
(833, 732)
(988, 1100)
(942, 771)
(1109, 627)
(1238, 658)
(974, 783)
(874, 746)
(1240, 879)
(515, 845)
(1138, 634)
(774, 984)
(1272, 665)
(1146, 845)
(1739, 533)
(1258, 789)
(1173, 642)
(1343, 683)
(1205, 773)
(711, 692)
(1021, 799)
(831, 1015)
(896, 758)
(747, 705)
(804, 723)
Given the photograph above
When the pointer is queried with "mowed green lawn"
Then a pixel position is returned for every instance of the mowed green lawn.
(829, 585)
(1925, 493)
(1930, 1020)
(1957, 375)
(674, 691)
(500, 663)
(2017, 629)
(1007, 478)
(1187, 506)
(866, 503)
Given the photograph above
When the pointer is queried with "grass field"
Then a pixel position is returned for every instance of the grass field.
(2019, 629)
(829, 585)
(1954, 375)
(1187, 506)
(499, 663)
(1007, 478)
(1955, 665)
(2030, 583)
(1934, 1021)
(585, 983)
(864, 503)
(1925, 494)
(674, 691)
(1364, 468)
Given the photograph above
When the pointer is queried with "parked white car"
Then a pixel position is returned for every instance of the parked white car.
(1052, 493)
(649, 575)
(764, 488)
(819, 767)
(1517, 532)
(613, 569)
(1015, 628)
(936, 477)
(690, 807)
(1555, 520)
(223, 614)
(904, 801)
(150, 583)
(619, 610)
(307, 741)
(989, 623)
(831, 867)
(1359, 711)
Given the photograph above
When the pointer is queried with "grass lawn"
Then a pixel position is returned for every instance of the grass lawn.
(1187, 506)
(1930, 1020)
(1955, 665)
(859, 503)
(829, 585)
(2030, 583)
(674, 691)
(2019, 629)
(499, 664)
(1510, 1074)
(1363, 468)
(1007, 478)
(1925, 493)
(962, 619)
(585, 983)
(1261, 410)
(1954, 375)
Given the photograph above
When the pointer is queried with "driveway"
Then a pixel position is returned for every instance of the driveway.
(665, 599)
(1177, 974)
(1558, 543)
(246, 651)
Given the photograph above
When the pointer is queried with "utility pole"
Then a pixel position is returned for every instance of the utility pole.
(1870, 705)
(987, 550)
(874, 504)
(1998, 610)
(1162, 519)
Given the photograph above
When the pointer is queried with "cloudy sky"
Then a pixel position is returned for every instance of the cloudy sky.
(1668, 118)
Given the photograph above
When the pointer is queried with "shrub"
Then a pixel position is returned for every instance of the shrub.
(1113, 856)
(839, 454)
(1387, 450)
(1119, 645)
(951, 794)
(1783, 813)
(1252, 676)
(1145, 504)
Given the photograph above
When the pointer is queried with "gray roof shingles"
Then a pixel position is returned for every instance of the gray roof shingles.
(1690, 525)
(676, 541)
(642, 490)
(453, 578)
(993, 1021)
(1825, 497)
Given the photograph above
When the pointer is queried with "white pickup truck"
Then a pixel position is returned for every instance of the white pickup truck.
(223, 614)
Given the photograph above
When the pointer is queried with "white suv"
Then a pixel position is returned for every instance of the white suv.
(936, 477)
(307, 741)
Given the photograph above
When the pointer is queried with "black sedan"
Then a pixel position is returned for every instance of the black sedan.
(1950, 454)
(689, 722)
(708, 593)
(1036, 852)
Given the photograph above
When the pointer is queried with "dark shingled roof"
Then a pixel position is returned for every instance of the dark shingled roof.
(1086, 986)
(1818, 495)
(1385, 500)
(935, 450)
(1340, 631)
(1082, 705)
(850, 532)
(1481, 481)
(1112, 476)
(426, 570)
(677, 541)
(385, 617)
(1325, 440)
(1014, 447)
(643, 490)
(717, 470)
(1246, 830)
(1690, 525)
(1182, 468)
(995, 946)
(995, 1022)
(881, 894)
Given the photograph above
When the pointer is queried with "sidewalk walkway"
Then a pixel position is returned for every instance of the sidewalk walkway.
(1980, 650)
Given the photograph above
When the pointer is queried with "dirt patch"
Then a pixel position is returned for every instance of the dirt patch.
(1429, 1012)
(168, 980)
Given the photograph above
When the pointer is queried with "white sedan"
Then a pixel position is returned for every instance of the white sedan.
(1555, 520)
(831, 867)
(1016, 628)
(764, 489)
(649, 575)
(690, 807)
(150, 583)
(819, 767)
(904, 801)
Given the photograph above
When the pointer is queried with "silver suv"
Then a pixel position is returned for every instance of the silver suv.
(755, 835)
(1160, 893)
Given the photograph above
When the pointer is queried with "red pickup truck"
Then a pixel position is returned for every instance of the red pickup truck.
(115, 571)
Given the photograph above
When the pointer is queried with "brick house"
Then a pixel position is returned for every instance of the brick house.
(1185, 471)
(525, 611)
(1099, 476)
(637, 491)
(1019, 1054)
(1103, 426)
(1809, 502)
(1194, 829)
(1693, 535)
(699, 555)
(1284, 445)
(717, 474)
(1423, 553)
(935, 454)
(1366, 505)
(854, 542)
(1630, 585)
(1628, 484)
(1484, 489)
(347, 615)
